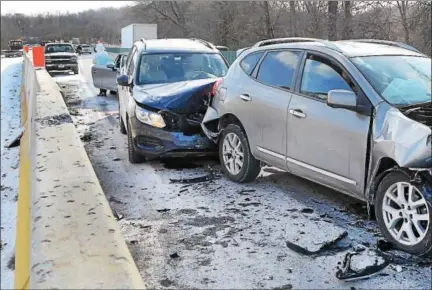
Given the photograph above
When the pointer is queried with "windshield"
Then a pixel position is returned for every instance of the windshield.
(400, 80)
(59, 48)
(170, 67)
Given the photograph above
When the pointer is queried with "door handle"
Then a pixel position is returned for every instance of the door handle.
(245, 97)
(297, 113)
(94, 71)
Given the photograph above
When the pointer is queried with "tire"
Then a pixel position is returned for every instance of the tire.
(122, 127)
(133, 156)
(404, 218)
(250, 167)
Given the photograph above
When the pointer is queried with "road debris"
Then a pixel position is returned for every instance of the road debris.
(363, 265)
(204, 178)
(117, 216)
(17, 140)
(163, 210)
(174, 255)
(55, 120)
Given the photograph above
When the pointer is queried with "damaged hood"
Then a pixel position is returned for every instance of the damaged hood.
(180, 97)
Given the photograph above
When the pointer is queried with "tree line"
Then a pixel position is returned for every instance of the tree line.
(237, 24)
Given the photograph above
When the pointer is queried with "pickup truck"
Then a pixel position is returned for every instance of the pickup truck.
(60, 57)
(15, 49)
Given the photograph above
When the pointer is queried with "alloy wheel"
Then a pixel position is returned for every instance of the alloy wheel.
(406, 213)
(233, 153)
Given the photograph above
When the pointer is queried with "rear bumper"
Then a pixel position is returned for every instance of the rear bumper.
(154, 142)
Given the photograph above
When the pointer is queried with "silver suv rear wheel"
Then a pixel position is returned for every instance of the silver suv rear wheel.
(233, 153)
(236, 159)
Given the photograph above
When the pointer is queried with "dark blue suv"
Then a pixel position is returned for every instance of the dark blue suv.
(164, 92)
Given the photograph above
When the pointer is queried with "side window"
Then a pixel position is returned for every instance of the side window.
(117, 61)
(250, 61)
(131, 65)
(278, 68)
(320, 76)
(129, 59)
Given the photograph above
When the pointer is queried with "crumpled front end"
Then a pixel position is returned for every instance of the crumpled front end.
(406, 140)
(405, 137)
(182, 106)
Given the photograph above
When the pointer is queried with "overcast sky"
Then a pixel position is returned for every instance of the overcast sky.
(36, 7)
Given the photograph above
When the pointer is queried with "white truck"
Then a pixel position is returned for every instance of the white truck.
(135, 32)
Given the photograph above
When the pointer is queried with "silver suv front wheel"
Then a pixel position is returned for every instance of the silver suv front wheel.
(403, 211)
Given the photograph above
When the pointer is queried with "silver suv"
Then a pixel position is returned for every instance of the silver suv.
(351, 115)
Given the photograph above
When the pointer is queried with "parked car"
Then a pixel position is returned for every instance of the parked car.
(105, 77)
(163, 97)
(351, 115)
(60, 57)
(83, 49)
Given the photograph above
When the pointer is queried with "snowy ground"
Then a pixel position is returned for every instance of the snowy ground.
(222, 235)
(11, 73)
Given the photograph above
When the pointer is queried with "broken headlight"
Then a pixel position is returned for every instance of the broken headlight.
(150, 118)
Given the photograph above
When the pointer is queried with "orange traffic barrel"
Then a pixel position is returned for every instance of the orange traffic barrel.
(26, 48)
(38, 56)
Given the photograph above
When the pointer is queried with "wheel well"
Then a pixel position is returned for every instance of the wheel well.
(230, 119)
(385, 164)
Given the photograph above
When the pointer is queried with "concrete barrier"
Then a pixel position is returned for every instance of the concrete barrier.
(67, 236)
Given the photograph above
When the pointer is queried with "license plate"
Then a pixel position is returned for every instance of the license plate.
(61, 66)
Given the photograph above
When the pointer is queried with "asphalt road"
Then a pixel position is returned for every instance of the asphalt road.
(278, 232)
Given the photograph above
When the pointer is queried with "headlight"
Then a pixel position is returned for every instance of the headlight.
(150, 118)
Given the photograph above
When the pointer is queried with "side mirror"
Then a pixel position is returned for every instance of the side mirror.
(112, 66)
(342, 99)
(123, 80)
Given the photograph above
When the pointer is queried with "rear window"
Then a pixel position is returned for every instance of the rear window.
(85, 46)
(59, 48)
(250, 61)
(278, 68)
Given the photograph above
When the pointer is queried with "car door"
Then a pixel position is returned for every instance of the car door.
(96, 76)
(265, 104)
(109, 75)
(125, 95)
(327, 145)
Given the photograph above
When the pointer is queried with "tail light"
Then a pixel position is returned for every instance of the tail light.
(216, 85)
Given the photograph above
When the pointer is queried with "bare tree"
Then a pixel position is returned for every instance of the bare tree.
(236, 24)
(347, 31)
(332, 20)
(403, 9)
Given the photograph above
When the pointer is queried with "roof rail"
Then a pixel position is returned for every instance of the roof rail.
(387, 42)
(296, 39)
(206, 43)
(144, 42)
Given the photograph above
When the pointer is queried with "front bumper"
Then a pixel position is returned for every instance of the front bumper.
(153, 142)
(62, 66)
(13, 53)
